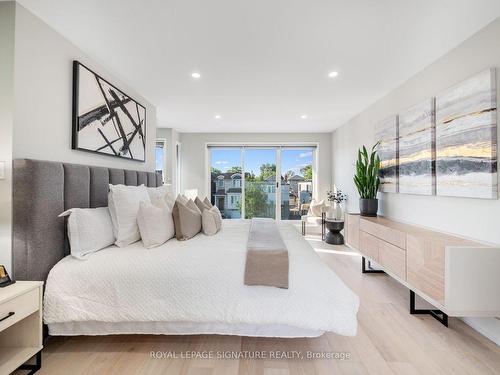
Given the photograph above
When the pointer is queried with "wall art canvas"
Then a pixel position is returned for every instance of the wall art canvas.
(105, 119)
(466, 138)
(417, 149)
(386, 133)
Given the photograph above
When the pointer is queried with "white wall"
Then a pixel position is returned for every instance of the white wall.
(36, 103)
(7, 11)
(194, 165)
(473, 218)
(43, 97)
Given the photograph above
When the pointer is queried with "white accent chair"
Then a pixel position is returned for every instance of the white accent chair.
(312, 220)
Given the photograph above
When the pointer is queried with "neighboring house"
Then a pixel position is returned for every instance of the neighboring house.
(227, 196)
(305, 191)
(227, 190)
(294, 183)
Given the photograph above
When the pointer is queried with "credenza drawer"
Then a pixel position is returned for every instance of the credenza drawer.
(353, 230)
(391, 235)
(19, 308)
(368, 245)
(392, 259)
(425, 262)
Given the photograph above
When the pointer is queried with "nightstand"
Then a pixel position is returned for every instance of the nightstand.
(20, 326)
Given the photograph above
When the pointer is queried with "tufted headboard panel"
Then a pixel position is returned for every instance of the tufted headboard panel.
(44, 189)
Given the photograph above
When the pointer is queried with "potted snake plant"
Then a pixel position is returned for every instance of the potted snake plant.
(367, 180)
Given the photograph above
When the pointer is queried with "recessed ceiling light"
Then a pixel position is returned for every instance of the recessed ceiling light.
(333, 74)
(217, 117)
(196, 75)
(303, 117)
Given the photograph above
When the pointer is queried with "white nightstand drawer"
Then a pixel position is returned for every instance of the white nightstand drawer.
(22, 306)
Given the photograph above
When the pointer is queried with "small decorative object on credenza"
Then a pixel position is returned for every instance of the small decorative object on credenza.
(367, 180)
(4, 277)
(336, 198)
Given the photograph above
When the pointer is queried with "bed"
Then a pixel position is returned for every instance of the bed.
(181, 287)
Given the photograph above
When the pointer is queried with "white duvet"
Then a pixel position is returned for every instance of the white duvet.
(199, 281)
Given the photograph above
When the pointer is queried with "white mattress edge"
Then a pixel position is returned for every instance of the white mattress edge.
(95, 328)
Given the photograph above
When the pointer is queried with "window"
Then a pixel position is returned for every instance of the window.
(296, 181)
(224, 164)
(249, 181)
(160, 155)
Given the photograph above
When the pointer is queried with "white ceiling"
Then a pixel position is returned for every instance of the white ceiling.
(264, 63)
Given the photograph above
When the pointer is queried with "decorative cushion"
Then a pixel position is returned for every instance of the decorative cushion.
(182, 199)
(156, 224)
(190, 203)
(89, 230)
(202, 205)
(207, 202)
(187, 220)
(161, 194)
(210, 221)
(219, 216)
(315, 209)
(123, 202)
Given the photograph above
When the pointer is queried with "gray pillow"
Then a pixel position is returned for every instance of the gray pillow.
(187, 220)
(207, 202)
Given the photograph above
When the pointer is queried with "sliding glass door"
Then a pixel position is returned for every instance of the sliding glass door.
(226, 181)
(296, 181)
(261, 181)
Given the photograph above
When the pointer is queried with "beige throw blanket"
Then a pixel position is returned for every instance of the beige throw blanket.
(267, 255)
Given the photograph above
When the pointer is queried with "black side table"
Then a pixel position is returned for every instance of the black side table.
(334, 237)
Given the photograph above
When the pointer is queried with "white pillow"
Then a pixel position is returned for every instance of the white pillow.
(123, 203)
(155, 224)
(315, 208)
(89, 230)
(161, 194)
(210, 221)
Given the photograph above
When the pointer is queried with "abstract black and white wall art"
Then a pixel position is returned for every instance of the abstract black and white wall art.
(466, 138)
(106, 120)
(417, 149)
(386, 133)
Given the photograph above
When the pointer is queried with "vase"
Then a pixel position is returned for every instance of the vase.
(337, 213)
(368, 207)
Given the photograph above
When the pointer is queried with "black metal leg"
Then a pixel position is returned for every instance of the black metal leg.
(323, 220)
(364, 269)
(440, 316)
(34, 368)
(303, 228)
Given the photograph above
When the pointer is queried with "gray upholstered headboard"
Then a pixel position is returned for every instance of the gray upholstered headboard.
(44, 189)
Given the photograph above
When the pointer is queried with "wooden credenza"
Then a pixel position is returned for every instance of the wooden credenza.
(458, 276)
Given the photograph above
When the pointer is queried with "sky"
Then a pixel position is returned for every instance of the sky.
(291, 159)
(159, 158)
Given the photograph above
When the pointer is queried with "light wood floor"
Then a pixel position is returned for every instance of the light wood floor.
(389, 341)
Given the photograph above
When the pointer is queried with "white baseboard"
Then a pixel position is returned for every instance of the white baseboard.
(488, 327)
